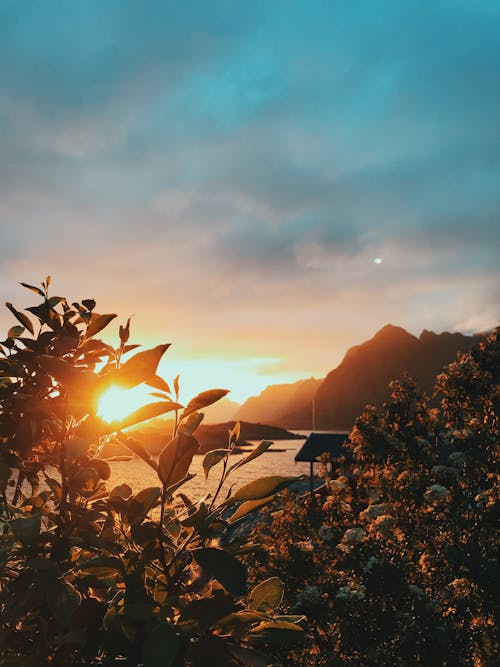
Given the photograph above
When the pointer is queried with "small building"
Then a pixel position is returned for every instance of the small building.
(318, 444)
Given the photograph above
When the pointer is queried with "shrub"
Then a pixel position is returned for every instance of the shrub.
(408, 573)
(91, 576)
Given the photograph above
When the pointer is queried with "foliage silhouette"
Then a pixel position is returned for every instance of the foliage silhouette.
(91, 576)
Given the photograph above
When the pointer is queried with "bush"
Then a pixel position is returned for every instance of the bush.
(91, 576)
(398, 563)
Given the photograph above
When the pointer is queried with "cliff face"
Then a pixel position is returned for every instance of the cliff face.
(364, 374)
(277, 401)
(362, 377)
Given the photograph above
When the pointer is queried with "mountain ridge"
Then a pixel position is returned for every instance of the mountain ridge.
(363, 377)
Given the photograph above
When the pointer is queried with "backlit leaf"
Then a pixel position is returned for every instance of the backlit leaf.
(121, 491)
(147, 498)
(37, 290)
(203, 400)
(212, 458)
(250, 506)
(149, 411)
(158, 382)
(191, 423)
(137, 447)
(21, 317)
(278, 632)
(261, 488)
(224, 567)
(141, 366)
(255, 453)
(267, 595)
(98, 324)
(27, 529)
(175, 459)
(16, 331)
(235, 433)
(88, 303)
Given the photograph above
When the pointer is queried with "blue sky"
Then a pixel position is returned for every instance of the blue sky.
(228, 171)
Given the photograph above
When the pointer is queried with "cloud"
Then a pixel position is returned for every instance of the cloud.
(228, 172)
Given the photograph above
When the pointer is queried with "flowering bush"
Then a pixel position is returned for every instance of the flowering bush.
(403, 569)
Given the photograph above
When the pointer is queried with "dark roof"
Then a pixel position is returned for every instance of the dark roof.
(319, 443)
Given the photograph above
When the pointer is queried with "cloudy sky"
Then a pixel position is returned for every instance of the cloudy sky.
(229, 171)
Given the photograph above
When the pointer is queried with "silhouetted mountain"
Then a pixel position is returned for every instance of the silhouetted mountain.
(364, 374)
(222, 411)
(277, 401)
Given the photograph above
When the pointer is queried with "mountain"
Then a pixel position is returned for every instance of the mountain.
(364, 374)
(222, 411)
(277, 401)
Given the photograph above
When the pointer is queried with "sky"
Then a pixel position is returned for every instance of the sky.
(228, 173)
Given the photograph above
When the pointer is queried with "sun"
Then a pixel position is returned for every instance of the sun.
(116, 403)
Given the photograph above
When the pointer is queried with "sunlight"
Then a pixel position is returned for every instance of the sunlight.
(117, 403)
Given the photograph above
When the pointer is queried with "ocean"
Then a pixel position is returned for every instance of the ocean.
(138, 474)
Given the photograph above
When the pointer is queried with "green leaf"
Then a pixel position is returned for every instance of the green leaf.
(98, 324)
(160, 645)
(277, 633)
(234, 433)
(158, 382)
(63, 600)
(149, 411)
(27, 529)
(21, 317)
(37, 290)
(212, 458)
(267, 595)
(191, 423)
(89, 304)
(261, 488)
(207, 611)
(142, 366)
(175, 459)
(224, 567)
(15, 331)
(255, 453)
(121, 491)
(203, 400)
(136, 447)
(250, 506)
(145, 500)
(65, 372)
(101, 467)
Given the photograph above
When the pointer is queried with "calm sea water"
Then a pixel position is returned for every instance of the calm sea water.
(138, 474)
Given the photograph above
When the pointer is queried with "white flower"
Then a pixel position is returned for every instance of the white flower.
(384, 524)
(309, 598)
(372, 563)
(457, 459)
(354, 536)
(373, 511)
(305, 546)
(352, 594)
(436, 494)
(416, 592)
(443, 474)
(326, 534)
